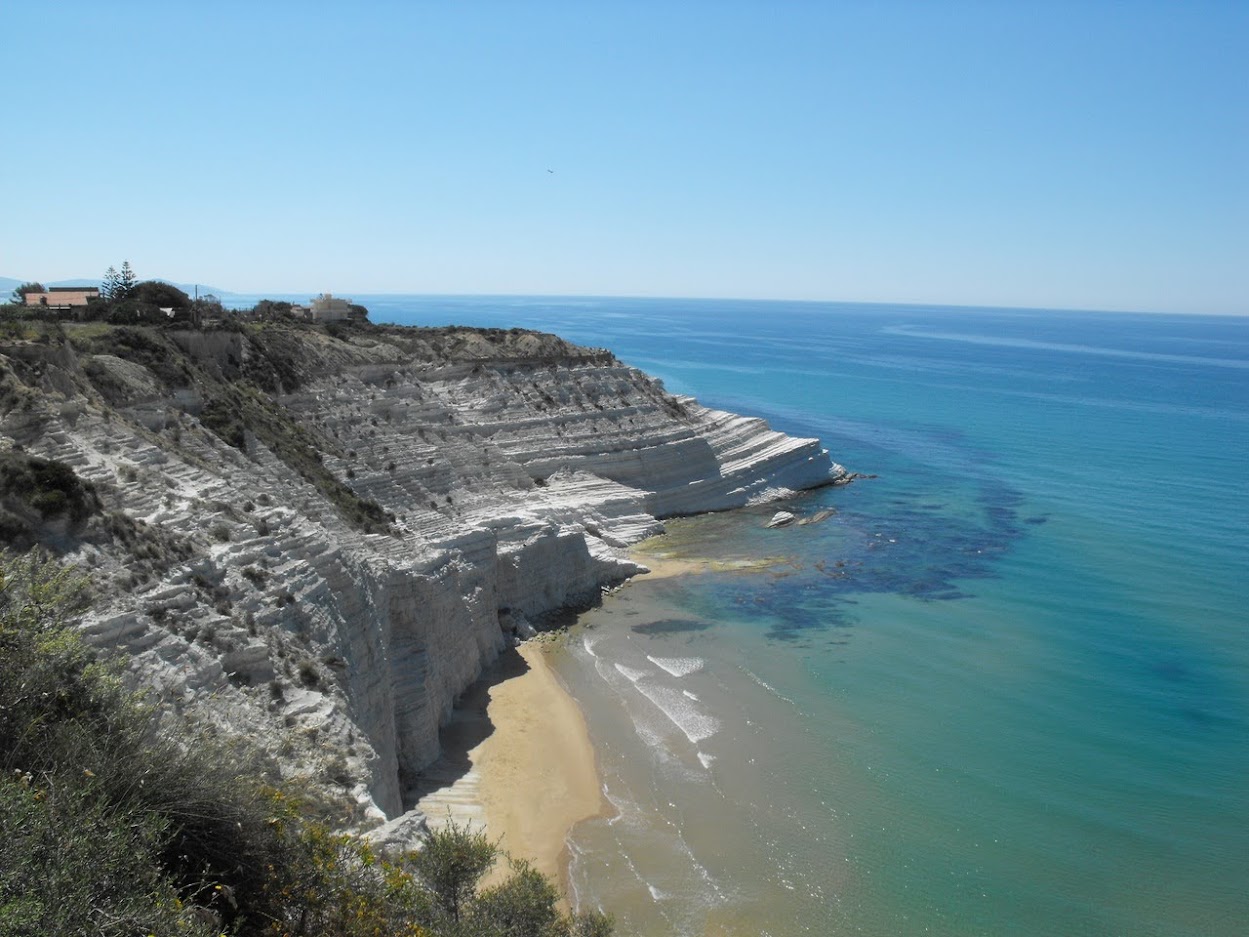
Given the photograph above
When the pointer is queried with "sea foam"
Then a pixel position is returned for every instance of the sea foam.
(689, 719)
(678, 666)
(632, 674)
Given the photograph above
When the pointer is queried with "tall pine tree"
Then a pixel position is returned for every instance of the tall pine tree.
(109, 288)
(126, 281)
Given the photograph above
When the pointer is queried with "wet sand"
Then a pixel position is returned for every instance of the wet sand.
(517, 760)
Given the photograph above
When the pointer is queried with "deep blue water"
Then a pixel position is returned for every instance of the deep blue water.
(1003, 690)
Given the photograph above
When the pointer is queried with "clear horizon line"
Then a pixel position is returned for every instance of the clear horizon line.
(1011, 306)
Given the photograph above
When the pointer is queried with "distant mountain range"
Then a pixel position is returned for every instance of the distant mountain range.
(9, 284)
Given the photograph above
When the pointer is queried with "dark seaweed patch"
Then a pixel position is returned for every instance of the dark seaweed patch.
(937, 518)
(906, 547)
(671, 626)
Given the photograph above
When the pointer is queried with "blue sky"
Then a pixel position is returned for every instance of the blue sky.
(1076, 155)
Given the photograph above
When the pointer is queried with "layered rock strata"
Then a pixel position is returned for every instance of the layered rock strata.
(237, 575)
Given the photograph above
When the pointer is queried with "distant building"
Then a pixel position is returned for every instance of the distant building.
(63, 298)
(329, 308)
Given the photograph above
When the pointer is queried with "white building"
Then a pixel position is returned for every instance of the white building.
(328, 308)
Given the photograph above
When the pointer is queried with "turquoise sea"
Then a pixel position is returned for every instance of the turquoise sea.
(1002, 690)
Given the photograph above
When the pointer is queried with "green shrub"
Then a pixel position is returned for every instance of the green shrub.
(187, 803)
(309, 676)
(71, 863)
(451, 863)
(524, 904)
(450, 866)
(31, 487)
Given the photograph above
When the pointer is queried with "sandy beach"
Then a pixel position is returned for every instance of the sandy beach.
(660, 565)
(518, 760)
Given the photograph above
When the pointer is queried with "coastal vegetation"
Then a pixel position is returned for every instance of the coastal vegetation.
(116, 821)
(122, 298)
(18, 296)
(118, 286)
(33, 491)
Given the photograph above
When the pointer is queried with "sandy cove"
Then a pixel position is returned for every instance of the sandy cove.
(518, 761)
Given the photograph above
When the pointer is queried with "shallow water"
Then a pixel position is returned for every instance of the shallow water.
(1004, 689)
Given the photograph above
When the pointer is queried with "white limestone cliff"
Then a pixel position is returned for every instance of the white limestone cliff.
(517, 468)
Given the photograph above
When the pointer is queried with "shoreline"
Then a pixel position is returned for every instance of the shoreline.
(661, 561)
(519, 762)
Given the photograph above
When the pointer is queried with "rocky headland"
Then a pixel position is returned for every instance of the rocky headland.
(319, 537)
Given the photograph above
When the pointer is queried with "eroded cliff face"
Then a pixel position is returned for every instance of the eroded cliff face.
(319, 540)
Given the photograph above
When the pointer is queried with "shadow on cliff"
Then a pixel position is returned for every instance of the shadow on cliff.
(468, 727)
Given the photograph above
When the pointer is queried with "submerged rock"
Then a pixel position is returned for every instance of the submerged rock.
(818, 517)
